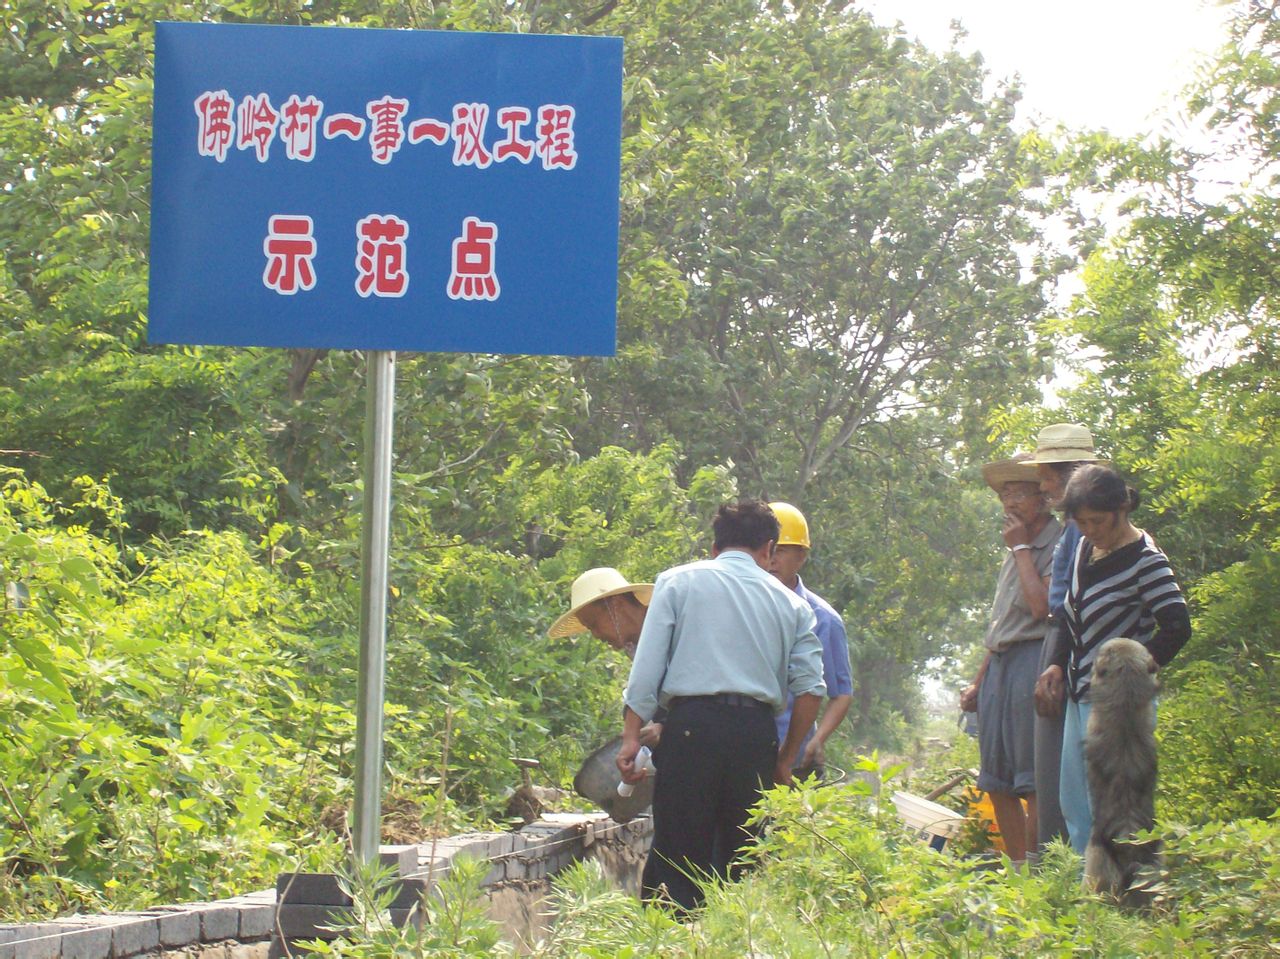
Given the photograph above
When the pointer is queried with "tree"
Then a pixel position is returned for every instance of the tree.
(823, 228)
(1179, 320)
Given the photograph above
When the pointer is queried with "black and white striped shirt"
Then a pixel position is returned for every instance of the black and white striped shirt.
(1130, 593)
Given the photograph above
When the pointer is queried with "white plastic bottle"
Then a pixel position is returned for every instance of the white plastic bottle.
(644, 764)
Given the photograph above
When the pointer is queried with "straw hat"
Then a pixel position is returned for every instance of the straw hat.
(592, 585)
(1064, 443)
(1020, 469)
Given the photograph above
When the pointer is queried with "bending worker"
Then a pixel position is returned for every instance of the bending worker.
(604, 604)
(788, 559)
(722, 645)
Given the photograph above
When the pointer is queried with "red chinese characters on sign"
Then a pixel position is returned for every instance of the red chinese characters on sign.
(299, 126)
(301, 122)
(469, 121)
(513, 118)
(555, 137)
(289, 247)
(257, 122)
(380, 256)
(429, 129)
(473, 276)
(216, 128)
(387, 132)
(343, 125)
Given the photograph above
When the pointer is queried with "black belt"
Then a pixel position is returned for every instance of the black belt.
(724, 699)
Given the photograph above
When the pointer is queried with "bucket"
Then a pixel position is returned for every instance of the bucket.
(935, 822)
(982, 811)
(598, 781)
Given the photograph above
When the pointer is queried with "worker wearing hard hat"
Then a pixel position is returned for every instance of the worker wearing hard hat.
(788, 559)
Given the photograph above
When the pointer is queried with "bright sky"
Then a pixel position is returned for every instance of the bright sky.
(1086, 63)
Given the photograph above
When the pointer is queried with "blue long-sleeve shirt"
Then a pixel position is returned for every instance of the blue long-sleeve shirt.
(836, 672)
(1060, 576)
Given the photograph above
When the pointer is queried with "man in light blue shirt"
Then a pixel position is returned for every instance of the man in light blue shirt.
(722, 645)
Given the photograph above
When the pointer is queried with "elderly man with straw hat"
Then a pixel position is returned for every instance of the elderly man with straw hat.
(1003, 692)
(604, 604)
(1061, 449)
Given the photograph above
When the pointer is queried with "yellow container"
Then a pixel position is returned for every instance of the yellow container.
(981, 810)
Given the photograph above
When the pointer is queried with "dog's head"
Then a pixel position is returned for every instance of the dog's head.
(1124, 668)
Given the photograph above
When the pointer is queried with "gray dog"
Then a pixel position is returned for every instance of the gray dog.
(1120, 752)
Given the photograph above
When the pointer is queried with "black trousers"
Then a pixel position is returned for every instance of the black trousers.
(712, 761)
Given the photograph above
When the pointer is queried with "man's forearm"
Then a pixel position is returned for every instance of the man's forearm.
(803, 712)
(1035, 588)
(832, 716)
(631, 725)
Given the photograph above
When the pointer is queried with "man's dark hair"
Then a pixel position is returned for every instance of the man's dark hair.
(745, 525)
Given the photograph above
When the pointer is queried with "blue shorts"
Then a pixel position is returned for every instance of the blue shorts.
(1006, 720)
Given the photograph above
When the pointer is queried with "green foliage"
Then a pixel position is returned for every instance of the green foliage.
(1225, 880)
(151, 705)
(175, 710)
(1220, 748)
(822, 228)
(836, 878)
(449, 921)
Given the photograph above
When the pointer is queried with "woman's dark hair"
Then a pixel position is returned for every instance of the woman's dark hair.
(1065, 470)
(749, 524)
(1099, 488)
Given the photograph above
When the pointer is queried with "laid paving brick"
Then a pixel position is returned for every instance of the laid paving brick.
(136, 933)
(218, 920)
(302, 921)
(325, 889)
(314, 888)
(256, 921)
(86, 937)
(35, 940)
(179, 925)
(402, 859)
(484, 845)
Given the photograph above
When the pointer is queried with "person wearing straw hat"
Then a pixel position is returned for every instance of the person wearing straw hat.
(1003, 692)
(722, 645)
(1061, 449)
(604, 604)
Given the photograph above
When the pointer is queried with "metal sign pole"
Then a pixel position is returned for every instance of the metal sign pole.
(367, 818)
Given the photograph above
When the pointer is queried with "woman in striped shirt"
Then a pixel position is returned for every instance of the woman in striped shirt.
(1121, 585)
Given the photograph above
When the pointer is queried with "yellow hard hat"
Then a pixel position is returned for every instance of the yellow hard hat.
(794, 529)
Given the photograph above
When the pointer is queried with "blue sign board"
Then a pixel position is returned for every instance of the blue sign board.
(385, 189)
